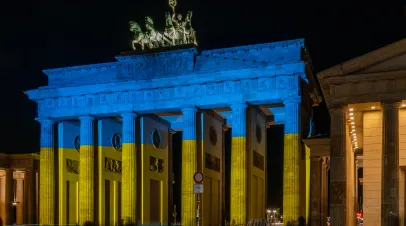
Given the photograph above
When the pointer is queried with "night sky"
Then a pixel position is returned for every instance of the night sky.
(43, 34)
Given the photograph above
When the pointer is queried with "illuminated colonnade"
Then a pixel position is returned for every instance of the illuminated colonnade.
(366, 99)
(19, 188)
(179, 93)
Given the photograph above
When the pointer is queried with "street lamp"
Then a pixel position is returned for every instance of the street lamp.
(268, 215)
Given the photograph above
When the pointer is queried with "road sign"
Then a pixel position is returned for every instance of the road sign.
(198, 188)
(198, 177)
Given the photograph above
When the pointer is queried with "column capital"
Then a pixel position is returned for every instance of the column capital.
(45, 121)
(238, 106)
(225, 128)
(338, 109)
(88, 117)
(129, 114)
(189, 109)
(390, 104)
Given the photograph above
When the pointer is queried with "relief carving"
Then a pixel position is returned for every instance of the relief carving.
(212, 162)
(162, 94)
(72, 166)
(156, 165)
(258, 160)
(112, 165)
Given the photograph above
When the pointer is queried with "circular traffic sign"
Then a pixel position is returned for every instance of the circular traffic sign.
(198, 177)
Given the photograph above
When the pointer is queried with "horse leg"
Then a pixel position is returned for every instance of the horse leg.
(133, 45)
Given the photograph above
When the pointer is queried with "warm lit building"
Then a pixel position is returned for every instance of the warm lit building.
(366, 97)
(19, 184)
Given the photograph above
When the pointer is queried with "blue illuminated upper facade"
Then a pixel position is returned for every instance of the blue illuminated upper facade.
(170, 80)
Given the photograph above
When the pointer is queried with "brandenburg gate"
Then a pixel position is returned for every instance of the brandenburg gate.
(106, 147)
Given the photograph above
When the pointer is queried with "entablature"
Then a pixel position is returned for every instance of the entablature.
(263, 90)
(376, 87)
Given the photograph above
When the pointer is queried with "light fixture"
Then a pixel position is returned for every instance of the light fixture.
(352, 123)
(353, 127)
(373, 107)
(351, 109)
(403, 105)
(353, 130)
(352, 118)
(351, 114)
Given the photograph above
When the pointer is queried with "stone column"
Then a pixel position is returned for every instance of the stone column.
(356, 186)
(238, 195)
(338, 170)
(20, 197)
(324, 191)
(30, 190)
(171, 176)
(315, 191)
(86, 171)
(47, 173)
(189, 166)
(6, 196)
(129, 173)
(223, 174)
(390, 164)
(291, 162)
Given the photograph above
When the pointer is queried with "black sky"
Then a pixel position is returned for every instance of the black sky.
(41, 34)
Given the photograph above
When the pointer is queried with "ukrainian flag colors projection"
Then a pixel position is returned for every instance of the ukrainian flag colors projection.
(291, 163)
(154, 170)
(212, 147)
(47, 181)
(129, 169)
(189, 166)
(238, 202)
(109, 172)
(68, 179)
(86, 168)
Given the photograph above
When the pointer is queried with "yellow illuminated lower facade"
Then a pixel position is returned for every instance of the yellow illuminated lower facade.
(129, 183)
(47, 184)
(238, 201)
(291, 180)
(189, 167)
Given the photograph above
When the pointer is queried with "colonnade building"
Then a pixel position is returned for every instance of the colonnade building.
(366, 97)
(106, 149)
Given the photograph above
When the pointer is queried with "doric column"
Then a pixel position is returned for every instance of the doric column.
(129, 175)
(189, 166)
(29, 191)
(86, 170)
(238, 195)
(324, 191)
(291, 161)
(6, 196)
(390, 163)
(20, 197)
(225, 128)
(47, 173)
(338, 170)
(315, 191)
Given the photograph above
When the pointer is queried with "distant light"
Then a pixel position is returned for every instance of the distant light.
(351, 114)
(353, 130)
(268, 211)
(403, 105)
(352, 118)
(353, 127)
(352, 123)
(373, 107)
